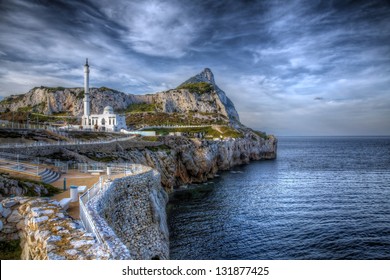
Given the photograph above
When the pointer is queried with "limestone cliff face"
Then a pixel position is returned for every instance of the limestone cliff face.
(54, 100)
(195, 161)
(226, 105)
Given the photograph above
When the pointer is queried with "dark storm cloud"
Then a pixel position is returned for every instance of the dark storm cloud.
(291, 67)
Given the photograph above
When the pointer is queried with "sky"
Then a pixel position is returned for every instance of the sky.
(290, 67)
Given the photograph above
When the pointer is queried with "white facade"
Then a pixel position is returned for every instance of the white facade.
(108, 121)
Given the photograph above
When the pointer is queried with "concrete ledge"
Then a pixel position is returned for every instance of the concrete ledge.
(64, 203)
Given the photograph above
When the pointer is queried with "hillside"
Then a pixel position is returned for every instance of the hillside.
(198, 100)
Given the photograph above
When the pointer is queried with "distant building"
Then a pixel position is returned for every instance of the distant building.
(108, 121)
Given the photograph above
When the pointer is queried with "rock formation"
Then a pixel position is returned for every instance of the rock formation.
(58, 100)
(227, 105)
(20, 187)
(179, 160)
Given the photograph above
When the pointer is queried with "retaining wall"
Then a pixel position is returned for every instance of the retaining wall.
(128, 214)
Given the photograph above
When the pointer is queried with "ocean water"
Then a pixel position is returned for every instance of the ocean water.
(322, 198)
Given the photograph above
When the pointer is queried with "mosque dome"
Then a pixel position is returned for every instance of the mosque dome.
(108, 110)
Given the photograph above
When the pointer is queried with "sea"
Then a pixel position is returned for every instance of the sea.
(322, 198)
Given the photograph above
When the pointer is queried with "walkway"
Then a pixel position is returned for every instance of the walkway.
(65, 143)
(76, 178)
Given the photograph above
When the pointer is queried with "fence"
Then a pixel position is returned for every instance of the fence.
(20, 167)
(85, 217)
(102, 185)
(174, 126)
(16, 125)
(33, 163)
(116, 168)
(65, 143)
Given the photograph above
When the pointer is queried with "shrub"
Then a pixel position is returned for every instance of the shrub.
(140, 107)
(201, 87)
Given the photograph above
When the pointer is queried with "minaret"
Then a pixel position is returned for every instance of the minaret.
(86, 93)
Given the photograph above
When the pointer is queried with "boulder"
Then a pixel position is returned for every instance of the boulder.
(15, 217)
(6, 212)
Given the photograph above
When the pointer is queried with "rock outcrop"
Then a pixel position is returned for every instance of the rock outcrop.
(226, 105)
(45, 231)
(182, 161)
(55, 100)
(20, 187)
(179, 160)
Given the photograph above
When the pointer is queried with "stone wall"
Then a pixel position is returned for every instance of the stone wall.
(134, 208)
(128, 216)
(46, 232)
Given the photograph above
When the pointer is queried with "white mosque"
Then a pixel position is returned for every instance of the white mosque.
(108, 121)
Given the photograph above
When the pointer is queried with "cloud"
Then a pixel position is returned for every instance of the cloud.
(157, 28)
(297, 67)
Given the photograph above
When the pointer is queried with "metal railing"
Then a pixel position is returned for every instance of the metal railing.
(65, 143)
(33, 163)
(20, 167)
(85, 216)
(175, 126)
(116, 168)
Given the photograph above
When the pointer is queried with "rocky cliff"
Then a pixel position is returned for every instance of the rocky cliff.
(180, 100)
(225, 105)
(181, 160)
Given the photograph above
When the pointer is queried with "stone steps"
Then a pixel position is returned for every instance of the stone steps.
(49, 176)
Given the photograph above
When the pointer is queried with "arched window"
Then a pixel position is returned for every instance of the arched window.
(103, 121)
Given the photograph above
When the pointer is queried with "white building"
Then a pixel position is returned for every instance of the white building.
(108, 121)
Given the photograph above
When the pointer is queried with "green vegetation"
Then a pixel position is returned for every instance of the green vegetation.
(11, 99)
(80, 95)
(10, 250)
(261, 134)
(105, 89)
(26, 184)
(30, 190)
(54, 89)
(36, 108)
(89, 135)
(201, 87)
(150, 138)
(230, 132)
(25, 109)
(207, 132)
(159, 118)
(103, 158)
(60, 114)
(158, 148)
(140, 107)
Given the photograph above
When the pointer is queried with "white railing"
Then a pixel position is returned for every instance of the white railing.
(102, 185)
(65, 143)
(29, 162)
(20, 167)
(174, 126)
(85, 217)
(116, 168)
